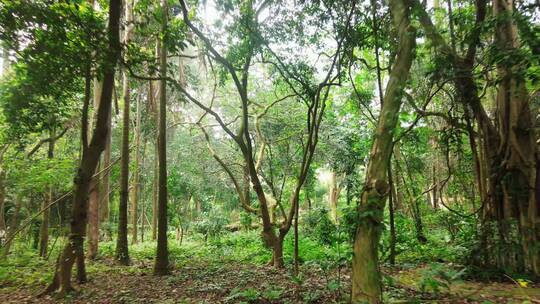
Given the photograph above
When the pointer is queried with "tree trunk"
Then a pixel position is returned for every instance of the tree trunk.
(13, 224)
(391, 211)
(333, 196)
(3, 191)
(2, 200)
(518, 143)
(104, 201)
(89, 161)
(366, 278)
(93, 201)
(155, 194)
(277, 253)
(153, 106)
(296, 253)
(44, 229)
(135, 187)
(161, 267)
(122, 254)
(93, 218)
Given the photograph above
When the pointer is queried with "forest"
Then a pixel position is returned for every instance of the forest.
(270, 151)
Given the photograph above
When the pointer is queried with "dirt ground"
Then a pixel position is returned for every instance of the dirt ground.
(231, 282)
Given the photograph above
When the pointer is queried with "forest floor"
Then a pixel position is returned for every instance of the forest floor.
(217, 278)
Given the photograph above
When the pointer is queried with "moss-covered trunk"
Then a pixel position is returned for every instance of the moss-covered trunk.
(517, 150)
(366, 278)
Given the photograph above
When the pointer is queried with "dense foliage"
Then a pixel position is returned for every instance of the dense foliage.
(399, 137)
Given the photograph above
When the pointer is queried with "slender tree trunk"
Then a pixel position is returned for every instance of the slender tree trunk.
(89, 161)
(161, 266)
(122, 254)
(44, 229)
(296, 253)
(155, 194)
(93, 219)
(2, 191)
(366, 277)
(135, 187)
(391, 211)
(333, 196)
(93, 201)
(104, 203)
(2, 200)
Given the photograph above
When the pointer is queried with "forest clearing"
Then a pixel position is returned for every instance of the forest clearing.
(270, 151)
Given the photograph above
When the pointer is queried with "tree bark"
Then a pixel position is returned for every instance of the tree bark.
(122, 254)
(366, 278)
(135, 187)
(104, 202)
(93, 201)
(161, 266)
(517, 148)
(333, 196)
(89, 161)
(391, 211)
(296, 253)
(155, 194)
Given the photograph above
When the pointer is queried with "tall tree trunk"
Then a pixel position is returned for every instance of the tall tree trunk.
(366, 277)
(135, 187)
(5, 68)
(155, 194)
(391, 211)
(89, 161)
(2, 191)
(154, 109)
(518, 143)
(104, 202)
(161, 266)
(93, 201)
(296, 253)
(122, 254)
(93, 218)
(44, 229)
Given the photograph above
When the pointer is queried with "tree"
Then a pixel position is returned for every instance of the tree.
(122, 241)
(89, 161)
(161, 266)
(366, 277)
(298, 79)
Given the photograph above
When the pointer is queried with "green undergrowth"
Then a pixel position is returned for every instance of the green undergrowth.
(242, 247)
